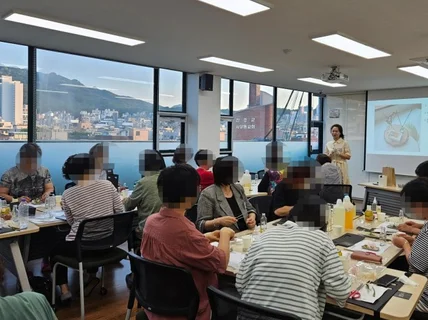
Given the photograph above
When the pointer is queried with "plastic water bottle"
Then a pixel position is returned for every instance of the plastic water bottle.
(374, 205)
(23, 213)
(263, 223)
(401, 216)
(382, 235)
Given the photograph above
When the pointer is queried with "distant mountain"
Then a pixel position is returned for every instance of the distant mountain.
(58, 93)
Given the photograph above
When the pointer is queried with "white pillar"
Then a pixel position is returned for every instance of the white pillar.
(203, 111)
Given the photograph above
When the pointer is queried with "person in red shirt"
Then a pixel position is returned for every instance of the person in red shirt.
(170, 238)
(204, 160)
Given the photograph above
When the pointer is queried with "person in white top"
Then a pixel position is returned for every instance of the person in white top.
(339, 151)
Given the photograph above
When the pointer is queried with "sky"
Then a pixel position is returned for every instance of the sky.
(119, 78)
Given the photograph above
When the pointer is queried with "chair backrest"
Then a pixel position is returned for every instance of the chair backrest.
(113, 178)
(253, 175)
(103, 233)
(192, 213)
(262, 204)
(227, 307)
(260, 174)
(163, 289)
(346, 188)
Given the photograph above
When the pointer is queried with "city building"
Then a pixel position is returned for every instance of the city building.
(12, 100)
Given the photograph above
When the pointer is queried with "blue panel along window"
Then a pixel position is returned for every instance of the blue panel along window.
(252, 123)
(82, 101)
(13, 102)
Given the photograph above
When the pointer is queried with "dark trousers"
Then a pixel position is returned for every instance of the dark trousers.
(64, 248)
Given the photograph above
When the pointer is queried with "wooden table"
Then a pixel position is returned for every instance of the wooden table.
(255, 193)
(396, 308)
(11, 252)
(388, 197)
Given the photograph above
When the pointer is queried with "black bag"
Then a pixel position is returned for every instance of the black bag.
(42, 285)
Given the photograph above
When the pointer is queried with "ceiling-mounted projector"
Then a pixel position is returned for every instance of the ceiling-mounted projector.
(335, 76)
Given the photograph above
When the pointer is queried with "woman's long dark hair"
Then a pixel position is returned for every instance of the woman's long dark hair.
(339, 127)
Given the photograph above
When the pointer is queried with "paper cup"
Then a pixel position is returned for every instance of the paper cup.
(381, 216)
(337, 231)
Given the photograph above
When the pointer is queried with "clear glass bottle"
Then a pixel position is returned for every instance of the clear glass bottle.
(23, 213)
(263, 223)
(382, 235)
(401, 216)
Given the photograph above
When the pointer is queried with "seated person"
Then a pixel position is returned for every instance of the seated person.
(204, 160)
(224, 204)
(275, 168)
(415, 197)
(100, 153)
(170, 238)
(331, 175)
(279, 272)
(27, 180)
(90, 198)
(300, 181)
(422, 170)
(182, 155)
(26, 305)
(145, 195)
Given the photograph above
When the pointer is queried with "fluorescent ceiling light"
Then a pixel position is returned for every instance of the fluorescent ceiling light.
(416, 70)
(235, 64)
(52, 91)
(241, 7)
(323, 83)
(340, 42)
(62, 27)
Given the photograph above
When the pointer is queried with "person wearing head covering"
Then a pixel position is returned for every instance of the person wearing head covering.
(145, 195)
(224, 204)
(28, 179)
(339, 151)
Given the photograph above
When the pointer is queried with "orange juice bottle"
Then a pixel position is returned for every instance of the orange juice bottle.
(368, 214)
(349, 213)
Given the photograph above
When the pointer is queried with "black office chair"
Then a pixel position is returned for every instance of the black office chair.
(113, 178)
(192, 213)
(134, 241)
(253, 175)
(262, 204)
(96, 246)
(162, 289)
(346, 188)
(260, 174)
(228, 307)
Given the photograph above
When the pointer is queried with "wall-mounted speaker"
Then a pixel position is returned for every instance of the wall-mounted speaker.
(206, 82)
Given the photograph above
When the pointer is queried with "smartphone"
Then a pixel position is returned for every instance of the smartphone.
(386, 280)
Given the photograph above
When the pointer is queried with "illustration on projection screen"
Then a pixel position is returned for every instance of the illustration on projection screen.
(399, 125)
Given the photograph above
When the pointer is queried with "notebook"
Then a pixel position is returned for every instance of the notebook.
(348, 240)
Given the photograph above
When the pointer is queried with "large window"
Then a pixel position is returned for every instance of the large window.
(172, 110)
(253, 107)
(292, 121)
(81, 98)
(13, 92)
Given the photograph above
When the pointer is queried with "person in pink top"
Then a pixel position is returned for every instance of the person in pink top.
(170, 238)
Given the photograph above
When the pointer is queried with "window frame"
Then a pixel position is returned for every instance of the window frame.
(229, 119)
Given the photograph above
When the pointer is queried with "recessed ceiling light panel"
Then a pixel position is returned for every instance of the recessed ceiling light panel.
(235, 64)
(241, 7)
(416, 70)
(322, 83)
(67, 28)
(342, 43)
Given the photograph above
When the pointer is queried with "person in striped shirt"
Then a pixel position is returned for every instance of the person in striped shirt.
(294, 266)
(90, 198)
(415, 196)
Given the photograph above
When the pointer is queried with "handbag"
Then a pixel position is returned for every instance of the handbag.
(366, 256)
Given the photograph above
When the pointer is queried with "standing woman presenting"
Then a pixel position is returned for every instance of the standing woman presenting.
(339, 152)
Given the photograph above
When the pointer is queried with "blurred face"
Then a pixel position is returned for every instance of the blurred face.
(335, 133)
(29, 165)
(417, 210)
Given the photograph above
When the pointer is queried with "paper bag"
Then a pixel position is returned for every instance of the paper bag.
(390, 173)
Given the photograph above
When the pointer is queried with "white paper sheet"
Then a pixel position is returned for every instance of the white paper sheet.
(236, 259)
(373, 294)
(388, 230)
(359, 246)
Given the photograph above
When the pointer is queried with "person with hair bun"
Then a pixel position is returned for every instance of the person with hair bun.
(339, 151)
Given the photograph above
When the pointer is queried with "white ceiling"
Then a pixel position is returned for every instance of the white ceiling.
(178, 32)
